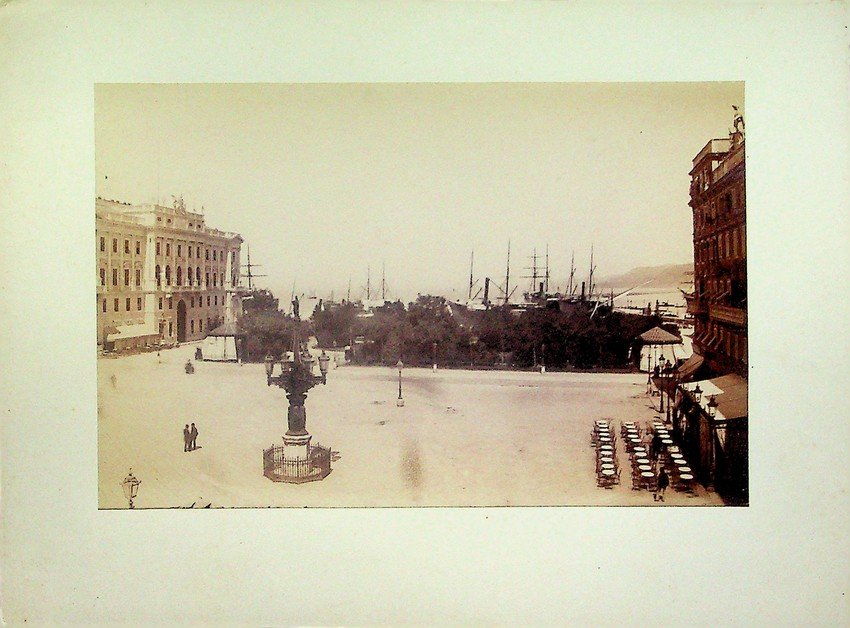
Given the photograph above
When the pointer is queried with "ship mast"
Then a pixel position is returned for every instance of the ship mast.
(572, 271)
(508, 276)
(471, 261)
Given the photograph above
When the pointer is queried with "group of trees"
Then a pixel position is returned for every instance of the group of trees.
(428, 327)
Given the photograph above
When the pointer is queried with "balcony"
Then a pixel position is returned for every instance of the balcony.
(730, 315)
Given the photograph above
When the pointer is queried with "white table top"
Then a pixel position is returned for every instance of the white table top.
(642, 460)
(607, 472)
(647, 474)
(645, 467)
(686, 476)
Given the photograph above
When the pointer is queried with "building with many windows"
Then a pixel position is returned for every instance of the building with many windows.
(711, 415)
(163, 275)
(719, 301)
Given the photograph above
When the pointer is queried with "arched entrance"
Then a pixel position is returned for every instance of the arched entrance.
(181, 321)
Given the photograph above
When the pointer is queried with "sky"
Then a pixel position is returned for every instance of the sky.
(325, 181)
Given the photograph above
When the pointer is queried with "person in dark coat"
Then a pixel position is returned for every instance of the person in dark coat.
(663, 483)
(193, 436)
(187, 438)
(656, 446)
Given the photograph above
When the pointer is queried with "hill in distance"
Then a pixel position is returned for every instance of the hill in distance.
(667, 276)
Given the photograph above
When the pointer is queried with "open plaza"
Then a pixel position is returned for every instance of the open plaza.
(463, 438)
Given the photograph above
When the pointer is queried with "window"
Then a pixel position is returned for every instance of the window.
(168, 275)
(114, 276)
(104, 305)
(160, 302)
(216, 299)
(168, 248)
(179, 275)
(138, 277)
(192, 327)
(198, 251)
(115, 305)
(201, 325)
(214, 254)
(170, 329)
(102, 276)
(126, 276)
(207, 282)
(139, 303)
(127, 247)
(158, 249)
(190, 250)
(138, 247)
(198, 274)
(156, 274)
(189, 276)
(208, 301)
(192, 301)
(170, 303)
(102, 245)
(114, 245)
(207, 251)
(179, 250)
(215, 279)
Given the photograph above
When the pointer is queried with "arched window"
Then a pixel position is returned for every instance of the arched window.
(207, 280)
(168, 275)
(189, 276)
(198, 275)
(215, 279)
(192, 327)
(179, 275)
(156, 274)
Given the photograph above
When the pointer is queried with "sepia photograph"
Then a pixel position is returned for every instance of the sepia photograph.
(421, 295)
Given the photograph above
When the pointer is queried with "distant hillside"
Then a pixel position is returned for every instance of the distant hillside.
(667, 276)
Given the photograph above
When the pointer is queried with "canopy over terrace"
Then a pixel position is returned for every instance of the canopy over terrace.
(730, 393)
(658, 345)
(223, 344)
(127, 336)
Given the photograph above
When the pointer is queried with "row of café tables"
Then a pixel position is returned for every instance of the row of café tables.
(674, 463)
(604, 441)
(643, 473)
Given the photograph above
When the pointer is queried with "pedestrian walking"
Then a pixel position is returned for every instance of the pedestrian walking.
(187, 438)
(663, 483)
(193, 437)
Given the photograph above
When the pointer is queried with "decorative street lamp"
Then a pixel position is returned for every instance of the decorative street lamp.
(131, 487)
(399, 365)
(712, 406)
(698, 395)
(296, 378)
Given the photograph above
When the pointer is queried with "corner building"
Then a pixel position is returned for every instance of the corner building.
(163, 275)
(719, 300)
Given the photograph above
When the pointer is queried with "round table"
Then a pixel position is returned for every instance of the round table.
(606, 447)
(644, 467)
(607, 465)
(647, 474)
(642, 460)
(606, 459)
(640, 448)
(686, 476)
(676, 455)
(684, 470)
(635, 439)
(607, 472)
(667, 441)
(680, 462)
(605, 439)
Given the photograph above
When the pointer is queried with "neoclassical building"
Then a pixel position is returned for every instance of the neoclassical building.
(719, 300)
(162, 274)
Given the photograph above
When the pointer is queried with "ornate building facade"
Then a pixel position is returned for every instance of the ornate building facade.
(719, 300)
(163, 275)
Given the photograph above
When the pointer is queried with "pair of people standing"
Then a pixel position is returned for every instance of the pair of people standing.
(190, 437)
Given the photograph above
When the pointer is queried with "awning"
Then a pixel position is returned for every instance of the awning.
(126, 332)
(227, 329)
(730, 393)
(689, 367)
(658, 336)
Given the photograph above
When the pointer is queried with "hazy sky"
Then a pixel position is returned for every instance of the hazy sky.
(324, 180)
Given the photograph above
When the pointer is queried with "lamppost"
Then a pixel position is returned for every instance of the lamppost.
(296, 378)
(399, 365)
(542, 358)
(434, 347)
(712, 406)
(698, 395)
(131, 487)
